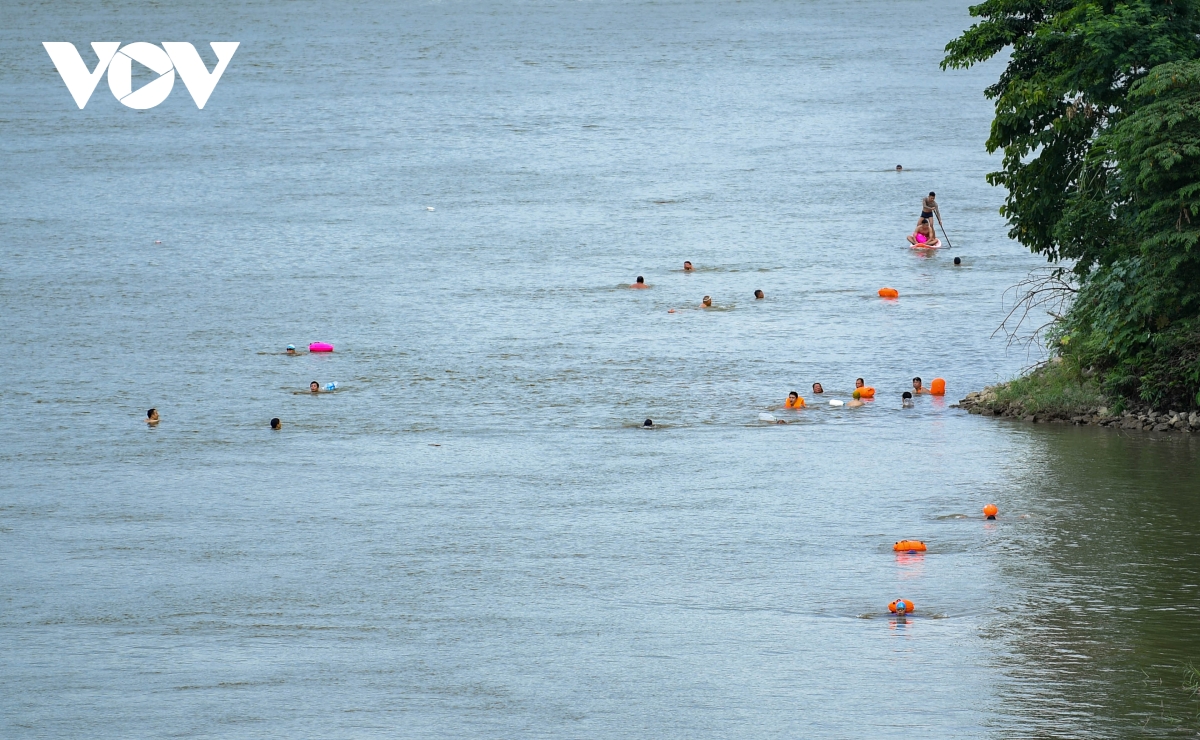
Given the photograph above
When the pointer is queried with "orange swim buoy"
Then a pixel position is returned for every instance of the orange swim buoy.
(889, 293)
(990, 511)
(908, 606)
(909, 546)
(938, 387)
(866, 392)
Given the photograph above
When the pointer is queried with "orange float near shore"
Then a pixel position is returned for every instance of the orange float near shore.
(909, 546)
(894, 607)
(990, 511)
(889, 293)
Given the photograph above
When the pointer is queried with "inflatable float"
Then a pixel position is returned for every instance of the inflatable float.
(320, 347)
(909, 546)
(894, 607)
(889, 293)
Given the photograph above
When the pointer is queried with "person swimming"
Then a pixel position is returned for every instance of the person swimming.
(899, 168)
(854, 402)
(858, 383)
(794, 401)
(906, 400)
(648, 423)
(152, 417)
(759, 295)
(641, 283)
(817, 388)
(291, 349)
(276, 424)
(687, 266)
(706, 302)
(314, 387)
(958, 260)
(918, 388)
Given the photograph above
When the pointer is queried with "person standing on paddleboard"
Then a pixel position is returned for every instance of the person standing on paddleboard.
(929, 207)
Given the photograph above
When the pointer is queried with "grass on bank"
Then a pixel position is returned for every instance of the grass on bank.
(1057, 388)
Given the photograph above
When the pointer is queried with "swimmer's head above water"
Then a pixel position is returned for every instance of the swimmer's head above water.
(958, 260)
(917, 385)
(858, 383)
(687, 266)
(152, 416)
(899, 168)
(817, 388)
(906, 399)
(315, 387)
(641, 283)
(276, 423)
(758, 295)
(706, 302)
(291, 349)
(648, 423)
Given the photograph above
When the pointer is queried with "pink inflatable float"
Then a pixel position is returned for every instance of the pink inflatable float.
(320, 347)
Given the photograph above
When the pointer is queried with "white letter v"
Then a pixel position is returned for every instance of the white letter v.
(74, 72)
(191, 67)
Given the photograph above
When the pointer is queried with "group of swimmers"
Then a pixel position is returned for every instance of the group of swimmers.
(863, 392)
(705, 302)
(313, 388)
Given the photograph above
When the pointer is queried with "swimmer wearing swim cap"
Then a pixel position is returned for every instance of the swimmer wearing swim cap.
(152, 417)
(906, 400)
(817, 388)
(706, 302)
(276, 424)
(687, 266)
(759, 295)
(291, 349)
(918, 389)
(640, 284)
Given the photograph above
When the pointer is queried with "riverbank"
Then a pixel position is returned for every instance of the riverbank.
(1057, 394)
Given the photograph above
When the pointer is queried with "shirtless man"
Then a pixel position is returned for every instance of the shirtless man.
(919, 389)
(929, 207)
(687, 266)
(759, 295)
(706, 303)
(641, 283)
(152, 417)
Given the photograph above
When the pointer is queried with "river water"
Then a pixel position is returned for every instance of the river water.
(473, 537)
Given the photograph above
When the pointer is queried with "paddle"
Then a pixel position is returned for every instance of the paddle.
(943, 228)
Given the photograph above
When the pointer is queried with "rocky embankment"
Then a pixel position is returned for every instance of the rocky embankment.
(985, 403)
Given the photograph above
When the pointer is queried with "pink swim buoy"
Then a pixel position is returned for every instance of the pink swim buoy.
(320, 347)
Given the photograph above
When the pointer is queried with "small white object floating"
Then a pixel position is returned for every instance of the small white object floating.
(836, 402)
(429, 208)
(764, 416)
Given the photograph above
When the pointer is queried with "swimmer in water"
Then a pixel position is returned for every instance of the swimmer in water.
(314, 387)
(687, 266)
(919, 389)
(759, 295)
(899, 168)
(906, 400)
(858, 383)
(817, 388)
(291, 349)
(794, 401)
(648, 423)
(276, 424)
(706, 302)
(152, 417)
(855, 403)
(958, 260)
(641, 283)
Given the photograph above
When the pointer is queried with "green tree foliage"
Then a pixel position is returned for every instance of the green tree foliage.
(1098, 119)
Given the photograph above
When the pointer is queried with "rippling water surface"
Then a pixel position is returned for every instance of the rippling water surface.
(473, 537)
